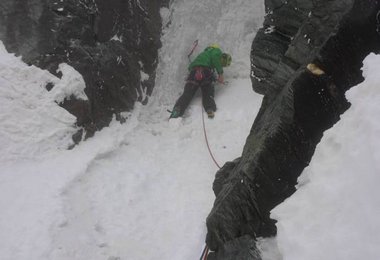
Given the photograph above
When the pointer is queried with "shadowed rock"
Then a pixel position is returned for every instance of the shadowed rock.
(108, 42)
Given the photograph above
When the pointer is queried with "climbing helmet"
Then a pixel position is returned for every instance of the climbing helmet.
(214, 45)
(226, 60)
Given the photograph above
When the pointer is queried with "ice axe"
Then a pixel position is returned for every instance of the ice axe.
(195, 44)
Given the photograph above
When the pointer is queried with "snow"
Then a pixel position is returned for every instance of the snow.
(116, 38)
(143, 76)
(71, 84)
(24, 105)
(143, 189)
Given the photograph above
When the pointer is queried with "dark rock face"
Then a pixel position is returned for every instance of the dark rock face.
(297, 108)
(233, 250)
(108, 42)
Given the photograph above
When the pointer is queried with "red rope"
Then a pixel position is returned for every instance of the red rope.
(206, 249)
(208, 146)
(204, 253)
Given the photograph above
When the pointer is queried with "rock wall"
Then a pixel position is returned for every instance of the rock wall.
(108, 42)
(297, 108)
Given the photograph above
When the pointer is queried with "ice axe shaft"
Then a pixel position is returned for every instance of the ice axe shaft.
(195, 44)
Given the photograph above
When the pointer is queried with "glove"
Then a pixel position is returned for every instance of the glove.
(221, 79)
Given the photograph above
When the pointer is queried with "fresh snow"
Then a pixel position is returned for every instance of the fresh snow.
(71, 84)
(143, 189)
(25, 104)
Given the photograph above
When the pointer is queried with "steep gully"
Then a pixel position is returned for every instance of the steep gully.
(298, 106)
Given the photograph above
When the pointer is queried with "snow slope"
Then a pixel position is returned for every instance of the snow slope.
(141, 190)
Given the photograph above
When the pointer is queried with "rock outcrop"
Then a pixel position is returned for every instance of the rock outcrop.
(298, 106)
(111, 43)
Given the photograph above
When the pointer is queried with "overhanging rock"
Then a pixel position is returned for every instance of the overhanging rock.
(111, 43)
(297, 108)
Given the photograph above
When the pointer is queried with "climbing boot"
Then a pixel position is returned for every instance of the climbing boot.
(175, 113)
(210, 114)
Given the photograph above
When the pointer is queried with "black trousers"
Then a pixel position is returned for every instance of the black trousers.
(193, 83)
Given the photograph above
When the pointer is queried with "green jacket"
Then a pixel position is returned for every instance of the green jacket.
(210, 58)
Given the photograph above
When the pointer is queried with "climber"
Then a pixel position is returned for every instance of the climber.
(201, 74)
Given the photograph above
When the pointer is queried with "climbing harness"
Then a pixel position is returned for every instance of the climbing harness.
(205, 134)
(195, 44)
(198, 74)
